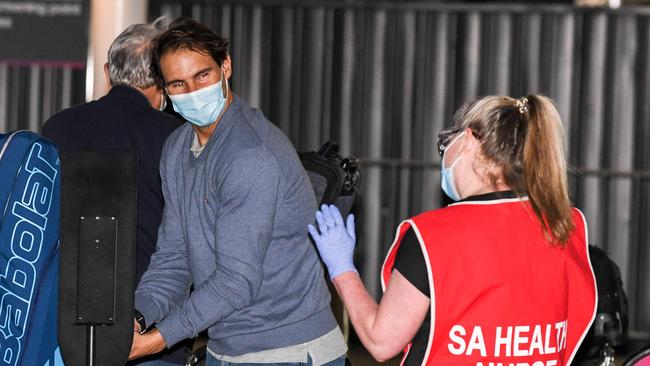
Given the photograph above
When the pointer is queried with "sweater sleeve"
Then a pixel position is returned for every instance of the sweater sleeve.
(167, 279)
(243, 231)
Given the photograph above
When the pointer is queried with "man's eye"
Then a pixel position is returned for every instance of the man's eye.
(203, 76)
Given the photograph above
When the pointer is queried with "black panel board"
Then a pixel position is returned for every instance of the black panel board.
(97, 183)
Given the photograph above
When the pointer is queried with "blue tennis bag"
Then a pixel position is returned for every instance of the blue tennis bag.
(29, 250)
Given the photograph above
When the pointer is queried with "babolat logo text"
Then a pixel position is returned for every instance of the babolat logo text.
(25, 223)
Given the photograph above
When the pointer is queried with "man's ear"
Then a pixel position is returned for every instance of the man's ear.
(227, 66)
(108, 79)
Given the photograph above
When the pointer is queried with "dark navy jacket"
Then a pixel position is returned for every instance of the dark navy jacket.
(123, 119)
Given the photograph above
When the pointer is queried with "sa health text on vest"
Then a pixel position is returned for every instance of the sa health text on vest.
(510, 341)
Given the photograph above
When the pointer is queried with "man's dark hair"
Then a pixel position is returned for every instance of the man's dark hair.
(187, 34)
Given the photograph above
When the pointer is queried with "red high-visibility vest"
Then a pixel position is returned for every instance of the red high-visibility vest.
(501, 295)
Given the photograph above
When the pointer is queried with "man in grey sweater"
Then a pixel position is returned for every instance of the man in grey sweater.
(237, 202)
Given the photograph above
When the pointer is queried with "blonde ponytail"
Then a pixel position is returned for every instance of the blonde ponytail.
(544, 169)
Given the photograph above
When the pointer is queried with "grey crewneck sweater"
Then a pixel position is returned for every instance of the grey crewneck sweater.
(234, 227)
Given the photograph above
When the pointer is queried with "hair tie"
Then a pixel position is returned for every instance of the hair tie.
(522, 104)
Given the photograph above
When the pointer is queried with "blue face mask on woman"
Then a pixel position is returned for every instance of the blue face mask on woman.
(201, 107)
(447, 174)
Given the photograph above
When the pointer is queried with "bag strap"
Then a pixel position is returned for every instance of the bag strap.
(7, 142)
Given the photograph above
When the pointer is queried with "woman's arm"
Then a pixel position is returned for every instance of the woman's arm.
(384, 329)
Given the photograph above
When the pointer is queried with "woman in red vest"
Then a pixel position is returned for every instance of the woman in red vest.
(502, 276)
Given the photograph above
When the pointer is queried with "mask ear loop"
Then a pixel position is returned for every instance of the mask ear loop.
(163, 101)
(447, 149)
(227, 91)
(224, 81)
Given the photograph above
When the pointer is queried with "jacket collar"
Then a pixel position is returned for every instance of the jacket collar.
(130, 93)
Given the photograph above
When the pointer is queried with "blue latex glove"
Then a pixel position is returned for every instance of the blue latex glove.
(336, 240)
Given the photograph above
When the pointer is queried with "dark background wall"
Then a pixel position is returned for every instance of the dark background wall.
(382, 78)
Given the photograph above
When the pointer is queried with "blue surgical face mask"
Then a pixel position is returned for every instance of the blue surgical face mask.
(201, 107)
(447, 174)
